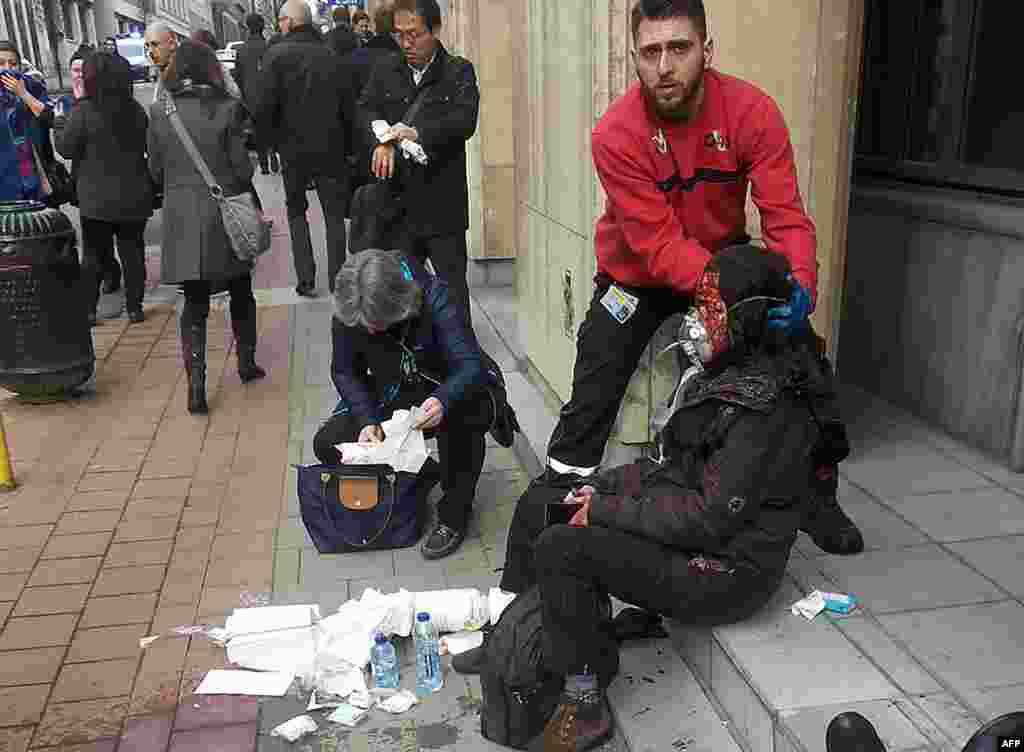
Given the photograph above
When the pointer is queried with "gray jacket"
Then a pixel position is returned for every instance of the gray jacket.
(195, 245)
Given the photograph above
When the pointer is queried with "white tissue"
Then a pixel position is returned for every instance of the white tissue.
(296, 728)
(810, 606)
(398, 703)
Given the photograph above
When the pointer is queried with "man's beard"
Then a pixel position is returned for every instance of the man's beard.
(685, 108)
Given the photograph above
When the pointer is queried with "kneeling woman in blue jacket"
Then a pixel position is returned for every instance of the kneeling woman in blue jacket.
(400, 341)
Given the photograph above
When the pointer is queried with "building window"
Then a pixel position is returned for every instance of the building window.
(67, 11)
(934, 107)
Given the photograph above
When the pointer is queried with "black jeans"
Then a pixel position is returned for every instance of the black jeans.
(460, 442)
(98, 255)
(197, 298)
(448, 254)
(577, 565)
(333, 192)
(607, 354)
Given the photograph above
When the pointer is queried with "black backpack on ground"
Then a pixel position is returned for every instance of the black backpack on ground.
(519, 695)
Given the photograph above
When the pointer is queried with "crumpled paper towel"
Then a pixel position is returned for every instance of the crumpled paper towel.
(460, 642)
(341, 683)
(344, 639)
(410, 149)
(296, 728)
(399, 702)
(404, 448)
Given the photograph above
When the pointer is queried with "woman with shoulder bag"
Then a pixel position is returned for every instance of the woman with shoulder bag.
(105, 136)
(25, 148)
(197, 252)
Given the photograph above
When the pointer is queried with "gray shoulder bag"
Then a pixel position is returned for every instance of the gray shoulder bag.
(247, 230)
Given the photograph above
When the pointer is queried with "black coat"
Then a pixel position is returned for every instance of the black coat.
(248, 63)
(739, 467)
(111, 176)
(303, 103)
(362, 61)
(342, 40)
(435, 196)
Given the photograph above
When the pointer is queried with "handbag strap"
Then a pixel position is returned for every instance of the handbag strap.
(190, 146)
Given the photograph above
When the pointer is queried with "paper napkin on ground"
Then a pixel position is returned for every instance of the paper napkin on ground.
(403, 448)
(288, 650)
(270, 618)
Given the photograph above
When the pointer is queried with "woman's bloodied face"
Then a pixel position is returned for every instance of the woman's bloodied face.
(77, 82)
(705, 328)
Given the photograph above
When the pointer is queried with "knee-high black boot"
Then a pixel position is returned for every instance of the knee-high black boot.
(193, 348)
(244, 328)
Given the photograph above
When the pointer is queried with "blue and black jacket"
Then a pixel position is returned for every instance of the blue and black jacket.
(435, 347)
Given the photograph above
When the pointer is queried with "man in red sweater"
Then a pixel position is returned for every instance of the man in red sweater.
(676, 155)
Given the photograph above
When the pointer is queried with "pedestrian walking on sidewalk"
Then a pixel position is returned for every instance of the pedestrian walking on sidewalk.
(196, 252)
(104, 135)
(248, 69)
(303, 107)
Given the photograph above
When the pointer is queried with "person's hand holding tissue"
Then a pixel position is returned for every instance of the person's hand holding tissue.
(383, 167)
(401, 131)
(432, 414)
(371, 434)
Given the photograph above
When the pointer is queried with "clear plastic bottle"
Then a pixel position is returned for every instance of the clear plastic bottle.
(428, 658)
(384, 662)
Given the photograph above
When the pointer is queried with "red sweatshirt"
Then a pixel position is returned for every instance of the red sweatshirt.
(651, 238)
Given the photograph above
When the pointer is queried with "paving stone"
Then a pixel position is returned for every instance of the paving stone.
(962, 515)
(21, 559)
(286, 569)
(328, 600)
(15, 739)
(5, 611)
(112, 481)
(65, 571)
(148, 509)
(118, 609)
(327, 570)
(87, 522)
(34, 512)
(936, 638)
(217, 600)
(127, 580)
(992, 702)
(21, 705)
(139, 553)
(88, 681)
(106, 744)
(11, 585)
(86, 544)
(896, 731)
(60, 599)
(20, 536)
(37, 631)
(245, 571)
(1001, 560)
(147, 529)
(242, 544)
(907, 673)
(106, 643)
(223, 739)
(97, 500)
(292, 534)
(67, 723)
(205, 711)
(908, 578)
(181, 591)
(150, 734)
(896, 469)
(39, 665)
(174, 615)
(170, 487)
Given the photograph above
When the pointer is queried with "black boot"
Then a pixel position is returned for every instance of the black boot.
(193, 347)
(244, 329)
(852, 732)
(825, 521)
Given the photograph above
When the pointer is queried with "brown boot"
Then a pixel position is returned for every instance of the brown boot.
(581, 721)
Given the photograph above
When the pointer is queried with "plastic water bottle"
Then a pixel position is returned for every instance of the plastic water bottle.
(384, 662)
(428, 658)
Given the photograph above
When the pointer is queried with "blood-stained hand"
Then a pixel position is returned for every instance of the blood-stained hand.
(433, 414)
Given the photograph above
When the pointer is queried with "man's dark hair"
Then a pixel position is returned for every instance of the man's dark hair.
(194, 62)
(428, 10)
(384, 20)
(9, 46)
(107, 79)
(341, 16)
(692, 9)
(254, 22)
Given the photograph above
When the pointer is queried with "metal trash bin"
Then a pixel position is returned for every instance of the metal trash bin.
(45, 339)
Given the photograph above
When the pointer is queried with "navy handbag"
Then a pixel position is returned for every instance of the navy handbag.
(350, 508)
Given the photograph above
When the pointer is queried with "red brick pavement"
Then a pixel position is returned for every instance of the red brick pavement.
(133, 517)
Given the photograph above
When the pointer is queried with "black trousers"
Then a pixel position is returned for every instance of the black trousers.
(197, 298)
(98, 256)
(460, 442)
(607, 354)
(448, 254)
(333, 192)
(577, 565)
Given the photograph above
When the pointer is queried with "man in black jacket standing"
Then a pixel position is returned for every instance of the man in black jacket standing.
(434, 194)
(303, 107)
(342, 39)
(248, 66)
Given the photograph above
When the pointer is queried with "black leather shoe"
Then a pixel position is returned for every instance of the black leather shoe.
(826, 522)
(470, 662)
(442, 541)
(112, 284)
(136, 317)
(306, 289)
(852, 732)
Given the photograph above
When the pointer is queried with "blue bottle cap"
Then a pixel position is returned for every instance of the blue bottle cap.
(422, 616)
(380, 637)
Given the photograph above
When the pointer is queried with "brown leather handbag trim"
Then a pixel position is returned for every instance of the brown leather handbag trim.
(359, 493)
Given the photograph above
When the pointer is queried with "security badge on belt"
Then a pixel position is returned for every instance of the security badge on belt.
(619, 303)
